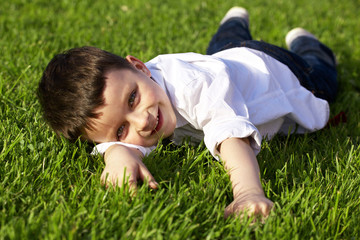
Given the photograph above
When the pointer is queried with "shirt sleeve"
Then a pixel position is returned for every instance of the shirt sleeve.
(219, 130)
(224, 120)
(102, 147)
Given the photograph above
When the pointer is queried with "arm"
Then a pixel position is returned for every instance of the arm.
(240, 160)
(123, 164)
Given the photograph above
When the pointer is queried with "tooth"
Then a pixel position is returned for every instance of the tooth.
(157, 122)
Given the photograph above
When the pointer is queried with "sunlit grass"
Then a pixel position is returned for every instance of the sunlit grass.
(50, 189)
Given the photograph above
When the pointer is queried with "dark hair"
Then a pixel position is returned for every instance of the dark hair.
(72, 86)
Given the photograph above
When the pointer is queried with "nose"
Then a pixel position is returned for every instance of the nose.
(142, 122)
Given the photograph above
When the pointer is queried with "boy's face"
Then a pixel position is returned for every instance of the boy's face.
(136, 110)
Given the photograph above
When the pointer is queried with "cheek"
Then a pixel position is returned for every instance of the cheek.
(138, 140)
(161, 96)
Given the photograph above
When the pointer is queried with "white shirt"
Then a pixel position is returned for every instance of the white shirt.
(238, 92)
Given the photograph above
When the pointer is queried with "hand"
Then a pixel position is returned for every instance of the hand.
(252, 205)
(124, 165)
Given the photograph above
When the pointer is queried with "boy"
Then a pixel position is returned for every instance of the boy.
(242, 90)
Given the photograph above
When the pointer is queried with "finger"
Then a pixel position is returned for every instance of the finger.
(146, 176)
(256, 209)
(233, 209)
(132, 183)
(245, 210)
(266, 209)
(105, 180)
(229, 210)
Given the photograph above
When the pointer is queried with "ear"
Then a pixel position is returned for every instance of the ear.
(139, 65)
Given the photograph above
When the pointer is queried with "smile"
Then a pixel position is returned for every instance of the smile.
(159, 121)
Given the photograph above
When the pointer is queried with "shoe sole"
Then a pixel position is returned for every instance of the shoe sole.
(236, 12)
(295, 33)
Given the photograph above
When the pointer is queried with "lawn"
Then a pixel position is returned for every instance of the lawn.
(50, 189)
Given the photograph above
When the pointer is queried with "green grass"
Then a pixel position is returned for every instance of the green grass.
(50, 189)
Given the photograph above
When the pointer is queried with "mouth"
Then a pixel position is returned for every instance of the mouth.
(159, 122)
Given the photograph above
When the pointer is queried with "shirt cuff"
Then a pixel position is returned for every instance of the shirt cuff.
(215, 134)
(102, 147)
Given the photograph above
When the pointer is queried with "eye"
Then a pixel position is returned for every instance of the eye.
(132, 98)
(119, 132)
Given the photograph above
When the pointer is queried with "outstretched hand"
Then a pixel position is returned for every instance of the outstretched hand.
(240, 161)
(125, 166)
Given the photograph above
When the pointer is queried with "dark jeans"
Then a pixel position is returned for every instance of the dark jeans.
(311, 61)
